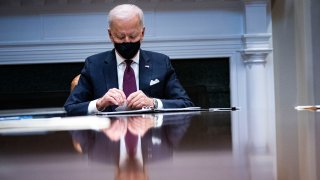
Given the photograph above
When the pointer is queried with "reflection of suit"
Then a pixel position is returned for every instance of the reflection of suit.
(100, 74)
(100, 148)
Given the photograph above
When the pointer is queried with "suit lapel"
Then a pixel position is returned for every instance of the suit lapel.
(145, 72)
(110, 71)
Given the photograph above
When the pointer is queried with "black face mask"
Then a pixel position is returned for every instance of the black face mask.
(127, 50)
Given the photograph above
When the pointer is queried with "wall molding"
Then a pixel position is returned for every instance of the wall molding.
(65, 51)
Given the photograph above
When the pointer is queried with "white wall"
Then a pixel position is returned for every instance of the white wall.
(71, 32)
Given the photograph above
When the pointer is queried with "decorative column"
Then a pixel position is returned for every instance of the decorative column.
(256, 49)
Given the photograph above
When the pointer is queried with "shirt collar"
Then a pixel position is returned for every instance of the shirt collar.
(120, 59)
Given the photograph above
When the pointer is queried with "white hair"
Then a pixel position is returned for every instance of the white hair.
(125, 11)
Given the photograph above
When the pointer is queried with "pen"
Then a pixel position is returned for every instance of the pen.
(224, 109)
(310, 108)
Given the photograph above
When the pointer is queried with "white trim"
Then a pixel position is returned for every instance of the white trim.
(63, 51)
(256, 41)
(238, 97)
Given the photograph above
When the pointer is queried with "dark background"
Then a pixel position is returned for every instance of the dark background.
(48, 85)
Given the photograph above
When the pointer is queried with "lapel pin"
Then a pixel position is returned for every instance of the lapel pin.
(147, 66)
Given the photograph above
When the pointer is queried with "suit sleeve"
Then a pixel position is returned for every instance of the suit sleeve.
(79, 99)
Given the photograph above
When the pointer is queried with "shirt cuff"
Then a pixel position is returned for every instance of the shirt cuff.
(92, 108)
(160, 105)
(158, 120)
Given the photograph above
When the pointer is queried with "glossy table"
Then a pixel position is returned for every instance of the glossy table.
(193, 145)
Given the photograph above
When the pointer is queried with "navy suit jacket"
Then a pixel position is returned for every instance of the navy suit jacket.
(100, 74)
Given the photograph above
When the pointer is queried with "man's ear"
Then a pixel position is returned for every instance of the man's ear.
(110, 35)
(142, 33)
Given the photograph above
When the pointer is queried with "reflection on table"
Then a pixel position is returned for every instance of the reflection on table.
(157, 135)
(197, 145)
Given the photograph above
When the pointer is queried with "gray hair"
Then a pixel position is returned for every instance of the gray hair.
(125, 11)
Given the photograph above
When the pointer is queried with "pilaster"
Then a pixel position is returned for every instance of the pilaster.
(256, 48)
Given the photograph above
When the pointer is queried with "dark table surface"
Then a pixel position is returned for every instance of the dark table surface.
(193, 145)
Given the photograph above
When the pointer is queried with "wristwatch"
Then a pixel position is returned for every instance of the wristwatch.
(155, 103)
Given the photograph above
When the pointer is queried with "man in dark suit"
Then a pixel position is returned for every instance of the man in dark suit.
(102, 83)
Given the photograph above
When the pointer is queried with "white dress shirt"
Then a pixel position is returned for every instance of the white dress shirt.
(124, 152)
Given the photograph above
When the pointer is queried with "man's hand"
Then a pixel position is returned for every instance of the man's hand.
(112, 97)
(138, 99)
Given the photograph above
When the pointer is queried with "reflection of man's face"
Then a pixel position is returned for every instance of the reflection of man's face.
(132, 170)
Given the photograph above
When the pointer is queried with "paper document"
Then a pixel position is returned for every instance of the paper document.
(54, 124)
(150, 110)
